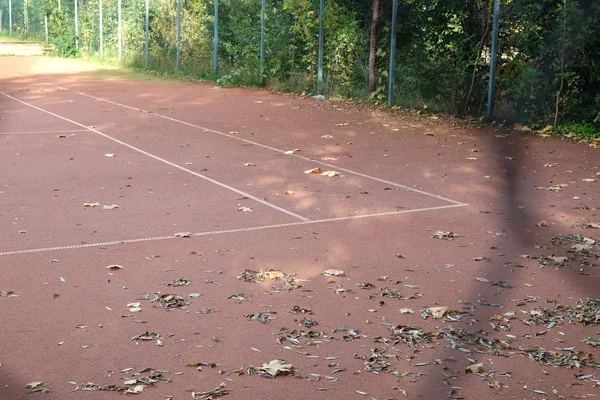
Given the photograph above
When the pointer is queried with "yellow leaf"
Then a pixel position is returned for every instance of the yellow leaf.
(313, 171)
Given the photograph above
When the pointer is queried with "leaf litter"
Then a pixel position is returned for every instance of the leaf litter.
(273, 369)
(291, 282)
(183, 281)
(131, 385)
(169, 301)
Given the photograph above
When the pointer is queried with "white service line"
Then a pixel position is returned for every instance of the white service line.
(223, 185)
(211, 233)
(32, 132)
(337, 167)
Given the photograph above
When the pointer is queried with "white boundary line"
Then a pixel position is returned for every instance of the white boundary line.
(337, 167)
(32, 132)
(211, 233)
(223, 185)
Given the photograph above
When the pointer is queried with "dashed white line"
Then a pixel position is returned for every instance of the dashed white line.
(337, 167)
(211, 233)
(223, 185)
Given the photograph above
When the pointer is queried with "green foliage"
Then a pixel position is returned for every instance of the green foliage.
(581, 131)
(443, 50)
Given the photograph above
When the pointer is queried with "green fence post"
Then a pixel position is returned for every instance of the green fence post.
(393, 53)
(262, 37)
(120, 32)
(216, 39)
(494, 50)
(178, 33)
(147, 50)
(321, 39)
(101, 38)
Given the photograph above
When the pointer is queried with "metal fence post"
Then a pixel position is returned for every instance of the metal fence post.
(120, 32)
(178, 33)
(320, 61)
(76, 26)
(101, 39)
(147, 50)
(262, 37)
(494, 50)
(393, 53)
(26, 16)
(10, 17)
(216, 39)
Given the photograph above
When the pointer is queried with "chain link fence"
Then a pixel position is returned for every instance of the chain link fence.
(546, 70)
(22, 20)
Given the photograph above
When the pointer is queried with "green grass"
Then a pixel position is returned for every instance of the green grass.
(15, 37)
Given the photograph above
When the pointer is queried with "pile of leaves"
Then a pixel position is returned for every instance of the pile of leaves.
(132, 385)
(561, 358)
(291, 282)
(409, 335)
(169, 301)
(377, 362)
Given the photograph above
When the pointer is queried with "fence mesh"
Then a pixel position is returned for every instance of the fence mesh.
(546, 60)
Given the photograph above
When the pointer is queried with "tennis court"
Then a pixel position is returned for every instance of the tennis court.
(164, 180)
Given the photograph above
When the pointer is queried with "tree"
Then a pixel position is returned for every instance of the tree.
(373, 45)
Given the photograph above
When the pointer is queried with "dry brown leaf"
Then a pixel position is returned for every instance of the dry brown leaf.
(313, 171)
(114, 266)
(474, 368)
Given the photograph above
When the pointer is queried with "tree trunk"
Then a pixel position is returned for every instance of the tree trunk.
(373, 46)
(485, 30)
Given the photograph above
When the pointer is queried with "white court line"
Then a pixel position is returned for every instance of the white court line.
(32, 132)
(211, 233)
(337, 167)
(223, 185)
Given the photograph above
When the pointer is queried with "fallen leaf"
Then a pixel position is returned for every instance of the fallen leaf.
(292, 151)
(472, 158)
(248, 164)
(330, 174)
(272, 369)
(110, 207)
(333, 272)
(109, 155)
(406, 311)
(444, 235)
(97, 204)
(474, 368)
(183, 234)
(289, 192)
(589, 180)
(114, 266)
(313, 171)
(245, 209)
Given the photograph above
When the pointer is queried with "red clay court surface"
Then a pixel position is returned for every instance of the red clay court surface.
(216, 163)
